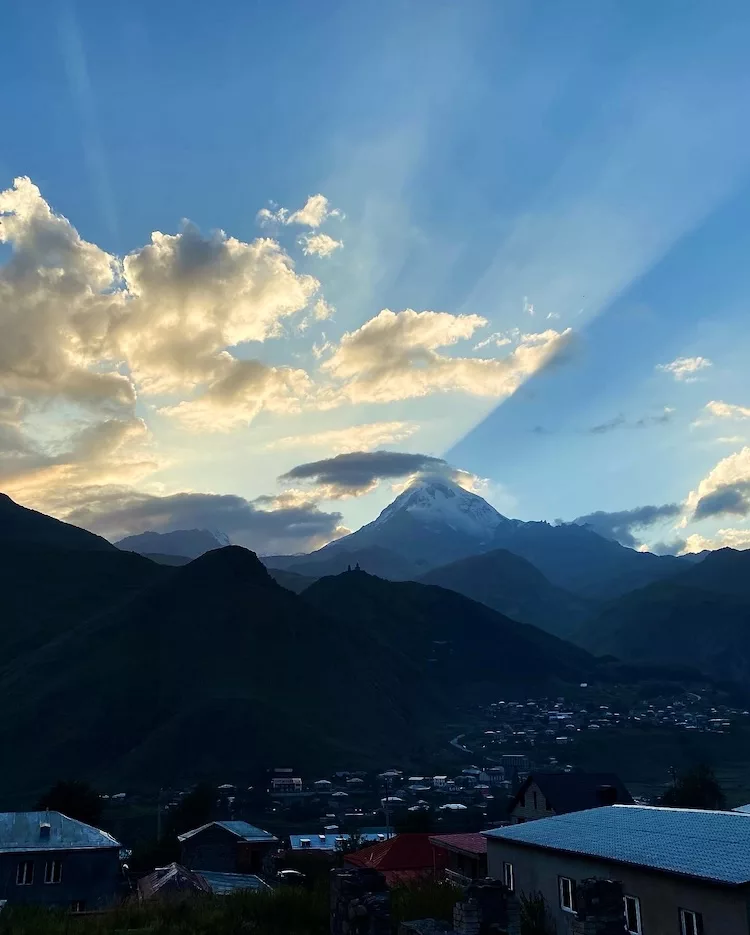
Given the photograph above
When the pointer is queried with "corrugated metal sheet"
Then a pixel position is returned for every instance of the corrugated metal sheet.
(241, 829)
(22, 831)
(702, 844)
(223, 883)
(329, 842)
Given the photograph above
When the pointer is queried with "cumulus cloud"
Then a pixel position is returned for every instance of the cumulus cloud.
(358, 472)
(724, 490)
(353, 438)
(319, 245)
(717, 409)
(621, 525)
(264, 525)
(313, 213)
(396, 355)
(684, 369)
(724, 539)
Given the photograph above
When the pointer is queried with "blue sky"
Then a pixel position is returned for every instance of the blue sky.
(570, 178)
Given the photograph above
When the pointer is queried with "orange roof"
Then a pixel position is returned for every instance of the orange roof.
(402, 852)
(475, 844)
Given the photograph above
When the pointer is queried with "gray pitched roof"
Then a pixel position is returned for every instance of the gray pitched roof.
(240, 829)
(707, 845)
(574, 792)
(223, 883)
(21, 831)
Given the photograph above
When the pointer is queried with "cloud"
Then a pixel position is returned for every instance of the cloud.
(684, 369)
(497, 338)
(724, 490)
(353, 438)
(620, 421)
(620, 525)
(240, 392)
(724, 539)
(395, 355)
(358, 472)
(313, 213)
(264, 525)
(673, 547)
(319, 245)
(717, 409)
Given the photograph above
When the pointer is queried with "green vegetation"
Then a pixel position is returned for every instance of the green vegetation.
(535, 918)
(695, 788)
(73, 798)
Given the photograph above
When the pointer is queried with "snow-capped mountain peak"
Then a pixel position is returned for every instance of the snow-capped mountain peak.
(437, 501)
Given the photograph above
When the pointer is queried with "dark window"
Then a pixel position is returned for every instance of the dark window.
(691, 923)
(535, 802)
(520, 821)
(52, 871)
(509, 877)
(633, 915)
(567, 893)
(549, 807)
(25, 873)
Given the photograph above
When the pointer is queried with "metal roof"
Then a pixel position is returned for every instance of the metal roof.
(223, 883)
(330, 842)
(22, 831)
(241, 829)
(706, 845)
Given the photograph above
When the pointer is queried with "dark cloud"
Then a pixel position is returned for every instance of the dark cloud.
(358, 471)
(728, 498)
(620, 422)
(268, 524)
(621, 524)
(669, 548)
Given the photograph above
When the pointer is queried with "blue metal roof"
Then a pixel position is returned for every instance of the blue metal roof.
(703, 844)
(22, 831)
(241, 829)
(330, 842)
(223, 883)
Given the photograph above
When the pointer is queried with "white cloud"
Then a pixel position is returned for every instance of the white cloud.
(313, 213)
(496, 339)
(721, 410)
(725, 489)
(353, 438)
(528, 308)
(319, 245)
(684, 369)
(724, 539)
(396, 356)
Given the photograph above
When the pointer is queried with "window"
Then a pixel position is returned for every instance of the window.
(25, 873)
(78, 905)
(534, 795)
(633, 915)
(509, 877)
(52, 871)
(567, 891)
(691, 923)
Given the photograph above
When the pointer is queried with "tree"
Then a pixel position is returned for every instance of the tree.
(194, 810)
(535, 919)
(74, 798)
(697, 787)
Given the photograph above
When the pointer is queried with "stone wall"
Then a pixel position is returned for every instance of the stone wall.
(360, 903)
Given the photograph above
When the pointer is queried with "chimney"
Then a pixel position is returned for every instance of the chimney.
(606, 795)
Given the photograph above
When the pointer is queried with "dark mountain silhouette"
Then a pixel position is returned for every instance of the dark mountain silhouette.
(699, 618)
(513, 586)
(436, 522)
(21, 526)
(188, 542)
(454, 640)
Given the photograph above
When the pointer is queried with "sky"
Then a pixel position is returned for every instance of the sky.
(263, 264)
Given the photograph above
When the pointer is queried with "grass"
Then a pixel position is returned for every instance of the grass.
(287, 911)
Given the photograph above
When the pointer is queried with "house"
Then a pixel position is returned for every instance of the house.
(286, 785)
(175, 881)
(465, 856)
(403, 858)
(542, 795)
(52, 860)
(226, 847)
(330, 841)
(683, 871)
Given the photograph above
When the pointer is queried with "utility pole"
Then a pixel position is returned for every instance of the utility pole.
(158, 815)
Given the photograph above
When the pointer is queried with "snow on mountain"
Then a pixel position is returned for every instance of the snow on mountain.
(438, 502)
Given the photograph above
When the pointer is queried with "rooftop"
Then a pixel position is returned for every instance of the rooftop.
(22, 831)
(223, 883)
(467, 843)
(574, 792)
(329, 842)
(708, 845)
(241, 829)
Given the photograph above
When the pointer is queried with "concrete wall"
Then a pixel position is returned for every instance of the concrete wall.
(527, 810)
(88, 876)
(725, 911)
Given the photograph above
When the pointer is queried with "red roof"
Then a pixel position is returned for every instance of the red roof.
(403, 852)
(474, 844)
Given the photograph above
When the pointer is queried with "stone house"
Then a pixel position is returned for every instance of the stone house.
(49, 859)
(226, 846)
(683, 871)
(542, 795)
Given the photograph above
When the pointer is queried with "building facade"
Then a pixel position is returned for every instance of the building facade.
(543, 795)
(683, 872)
(49, 859)
(226, 847)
